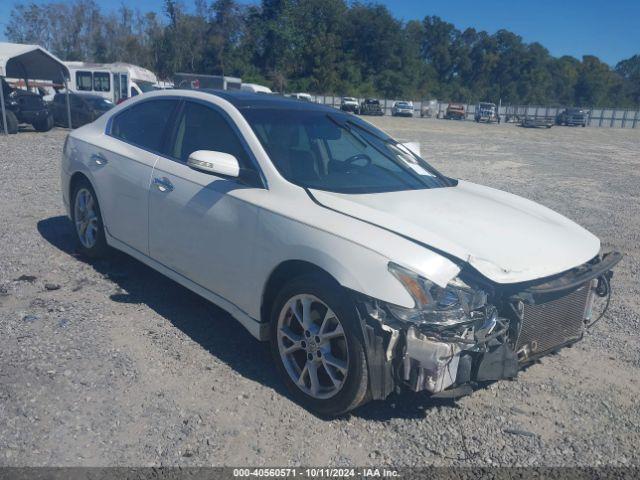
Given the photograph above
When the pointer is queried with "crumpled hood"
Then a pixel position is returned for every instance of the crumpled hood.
(505, 237)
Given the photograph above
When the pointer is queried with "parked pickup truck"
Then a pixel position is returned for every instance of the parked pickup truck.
(486, 112)
(349, 104)
(455, 111)
(573, 117)
(371, 106)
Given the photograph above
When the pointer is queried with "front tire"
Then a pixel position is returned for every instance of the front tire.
(317, 347)
(87, 221)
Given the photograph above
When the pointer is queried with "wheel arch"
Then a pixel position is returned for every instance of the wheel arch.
(75, 180)
(282, 274)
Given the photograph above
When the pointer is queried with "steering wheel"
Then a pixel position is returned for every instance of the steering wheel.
(358, 156)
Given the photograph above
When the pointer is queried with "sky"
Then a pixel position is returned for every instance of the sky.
(610, 30)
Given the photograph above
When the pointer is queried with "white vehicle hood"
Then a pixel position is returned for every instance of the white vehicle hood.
(505, 237)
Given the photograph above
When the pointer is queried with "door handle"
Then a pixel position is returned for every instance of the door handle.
(99, 159)
(163, 184)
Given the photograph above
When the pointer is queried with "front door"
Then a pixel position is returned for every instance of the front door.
(200, 225)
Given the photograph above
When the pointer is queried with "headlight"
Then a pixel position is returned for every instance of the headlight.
(434, 304)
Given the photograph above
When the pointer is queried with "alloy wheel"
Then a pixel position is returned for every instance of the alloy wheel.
(86, 218)
(313, 346)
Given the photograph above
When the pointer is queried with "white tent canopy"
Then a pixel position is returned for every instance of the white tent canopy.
(30, 62)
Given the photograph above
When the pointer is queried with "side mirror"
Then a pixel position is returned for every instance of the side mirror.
(218, 163)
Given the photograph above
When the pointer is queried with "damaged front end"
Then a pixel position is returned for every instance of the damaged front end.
(473, 330)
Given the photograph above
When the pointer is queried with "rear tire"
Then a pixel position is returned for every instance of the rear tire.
(87, 220)
(322, 338)
(45, 124)
(12, 122)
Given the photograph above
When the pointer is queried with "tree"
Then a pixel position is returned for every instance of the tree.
(326, 46)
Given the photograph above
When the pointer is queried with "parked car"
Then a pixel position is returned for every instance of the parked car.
(533, 121)
(402, 109)
(349, 104)
(305, 97)
(23, 106)
(255, 88)
(429, 108)
(309, 226)
(455, 111)
(486, 112)
(573, 117)
(85, 108)
(371, 106)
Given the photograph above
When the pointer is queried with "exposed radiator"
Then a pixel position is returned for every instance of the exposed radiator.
(552, 324)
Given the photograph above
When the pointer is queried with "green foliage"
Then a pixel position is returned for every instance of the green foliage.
(326, 46)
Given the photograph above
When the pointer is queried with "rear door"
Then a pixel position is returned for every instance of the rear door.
(199, 224)
(122, 167)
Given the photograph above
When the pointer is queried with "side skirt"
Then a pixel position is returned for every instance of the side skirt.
(259, 330)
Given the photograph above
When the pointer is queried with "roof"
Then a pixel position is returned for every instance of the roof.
(136, 72)
(19, 60)
(202, 75)
(243, 99)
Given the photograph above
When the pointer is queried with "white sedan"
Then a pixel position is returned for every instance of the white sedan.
(365, 268)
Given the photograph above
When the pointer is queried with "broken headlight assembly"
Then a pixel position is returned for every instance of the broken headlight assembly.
(455, 304)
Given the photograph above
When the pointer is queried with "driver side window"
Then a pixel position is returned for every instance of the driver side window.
(202, 128)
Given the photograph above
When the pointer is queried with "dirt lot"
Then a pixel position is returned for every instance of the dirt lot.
(112, 364)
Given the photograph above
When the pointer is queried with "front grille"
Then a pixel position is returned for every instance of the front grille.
(551, 324)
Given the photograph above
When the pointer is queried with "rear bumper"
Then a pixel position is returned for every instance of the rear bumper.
(486, 118)
(517, 327)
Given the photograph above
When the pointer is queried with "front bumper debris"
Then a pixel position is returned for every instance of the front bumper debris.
(429, 364)
(519, 325)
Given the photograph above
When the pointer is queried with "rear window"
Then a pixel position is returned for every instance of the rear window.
(144, 124)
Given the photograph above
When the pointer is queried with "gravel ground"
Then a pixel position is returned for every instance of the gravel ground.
(110, 363)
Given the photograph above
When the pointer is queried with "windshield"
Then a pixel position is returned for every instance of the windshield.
(338, 153)
(99, 103)
(146, 87)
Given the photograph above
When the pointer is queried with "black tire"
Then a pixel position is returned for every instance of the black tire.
(12, 122)
(45, 124)
(354, 390)
(100, 248)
